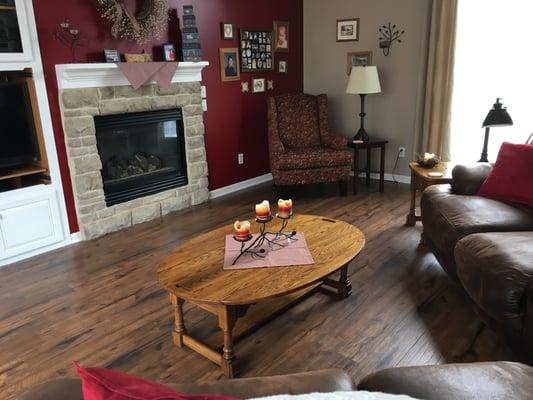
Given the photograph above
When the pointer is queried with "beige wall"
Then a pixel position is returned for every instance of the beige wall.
(391, 114)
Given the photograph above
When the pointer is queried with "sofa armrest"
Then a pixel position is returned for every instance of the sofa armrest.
(467, 179)
(485, 380)
(323, 381)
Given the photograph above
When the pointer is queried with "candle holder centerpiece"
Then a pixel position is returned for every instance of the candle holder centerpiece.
(279, 238)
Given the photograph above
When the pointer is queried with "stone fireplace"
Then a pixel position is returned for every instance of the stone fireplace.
(134, 155)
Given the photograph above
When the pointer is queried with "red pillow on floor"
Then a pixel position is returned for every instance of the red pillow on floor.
(103, 384)
(511, 179)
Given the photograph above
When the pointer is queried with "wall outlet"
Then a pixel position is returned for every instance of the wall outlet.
(240, 158)
(203, 92)
(204, 104)
(401, 152)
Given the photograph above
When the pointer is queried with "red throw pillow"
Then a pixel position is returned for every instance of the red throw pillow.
(103, 384)
(511, 179)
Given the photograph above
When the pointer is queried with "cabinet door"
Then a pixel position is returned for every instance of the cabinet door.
(29, 224)
(15, 43)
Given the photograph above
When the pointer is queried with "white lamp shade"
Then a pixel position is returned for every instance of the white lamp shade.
(364, 80)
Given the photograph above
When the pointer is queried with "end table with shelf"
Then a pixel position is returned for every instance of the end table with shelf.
(420, 180)
(373, 143)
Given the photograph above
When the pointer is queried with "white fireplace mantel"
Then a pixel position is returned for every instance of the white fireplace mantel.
(87, 75)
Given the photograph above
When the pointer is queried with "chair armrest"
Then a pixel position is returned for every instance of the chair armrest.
(335, 142)
(275, 146)
(467, 179)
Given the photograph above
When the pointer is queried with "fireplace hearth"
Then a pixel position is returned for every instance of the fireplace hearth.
(142, 153)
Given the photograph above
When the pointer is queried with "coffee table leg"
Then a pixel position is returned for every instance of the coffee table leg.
(345, 288)
(179, 323)
(226, 321)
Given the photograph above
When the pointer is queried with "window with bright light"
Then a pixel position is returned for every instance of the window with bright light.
(494, 58)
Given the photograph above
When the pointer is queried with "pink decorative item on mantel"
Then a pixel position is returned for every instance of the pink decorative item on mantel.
(139, 74)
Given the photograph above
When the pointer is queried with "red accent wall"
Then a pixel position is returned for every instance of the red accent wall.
(235, 122)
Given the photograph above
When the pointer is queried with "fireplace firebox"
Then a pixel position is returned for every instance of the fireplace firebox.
(142, 153)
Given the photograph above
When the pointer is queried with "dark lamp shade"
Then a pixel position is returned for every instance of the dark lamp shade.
(497, 116)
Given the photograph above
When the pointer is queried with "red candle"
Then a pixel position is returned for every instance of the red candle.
(262, 210)
(243, 229)
(284, 208)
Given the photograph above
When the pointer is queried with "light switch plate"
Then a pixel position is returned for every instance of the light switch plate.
(204, 104)
(203, 92)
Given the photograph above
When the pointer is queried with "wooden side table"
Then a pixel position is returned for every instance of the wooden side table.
(421, 180)
(373, 143)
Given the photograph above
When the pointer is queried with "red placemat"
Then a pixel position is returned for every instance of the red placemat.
(296, 252)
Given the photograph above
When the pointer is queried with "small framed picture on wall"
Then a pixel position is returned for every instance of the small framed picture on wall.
(169, 52)
(282, 67)
(281, 36)
(227, 31)
(258, 85)
(358, 59)
(229, 65)
(348, 30)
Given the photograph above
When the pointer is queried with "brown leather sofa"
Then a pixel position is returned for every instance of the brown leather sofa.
(486, 246)
(501, 380)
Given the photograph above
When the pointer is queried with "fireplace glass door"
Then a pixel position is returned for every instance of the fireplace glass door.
(142, 153)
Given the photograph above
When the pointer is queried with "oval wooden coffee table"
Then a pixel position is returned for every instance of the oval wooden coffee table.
(193, 272)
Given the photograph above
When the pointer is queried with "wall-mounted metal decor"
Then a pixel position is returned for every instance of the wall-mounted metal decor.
(388, 34)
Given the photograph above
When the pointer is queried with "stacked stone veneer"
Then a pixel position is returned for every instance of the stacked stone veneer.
(79, 106)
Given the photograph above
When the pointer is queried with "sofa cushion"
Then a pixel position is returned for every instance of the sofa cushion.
(496, 270)
(298, 121)
(511, 179)
(447, 218)
(313, 158)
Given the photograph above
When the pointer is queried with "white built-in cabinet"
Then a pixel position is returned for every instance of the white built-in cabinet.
(33, 219)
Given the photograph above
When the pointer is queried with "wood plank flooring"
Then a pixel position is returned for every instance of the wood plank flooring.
(99, 303)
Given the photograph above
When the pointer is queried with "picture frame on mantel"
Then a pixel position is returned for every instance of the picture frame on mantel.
(348, 30)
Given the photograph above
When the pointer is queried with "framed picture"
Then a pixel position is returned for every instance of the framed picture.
(169, 52)
(348, 30)
(256, 50)
(227, 31)
(229, 65)
(111, 56)
(358, 59)
(258, 85)
(281, 36)
(282, 67)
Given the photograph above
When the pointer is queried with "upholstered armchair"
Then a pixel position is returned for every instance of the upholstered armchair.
(302, 149)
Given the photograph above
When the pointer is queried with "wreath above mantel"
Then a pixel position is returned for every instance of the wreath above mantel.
(148, 23)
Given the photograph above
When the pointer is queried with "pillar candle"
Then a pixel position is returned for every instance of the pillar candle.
(242, 229)
(262, 210)
(284, 208)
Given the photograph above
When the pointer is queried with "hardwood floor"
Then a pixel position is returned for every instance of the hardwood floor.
(99, 303)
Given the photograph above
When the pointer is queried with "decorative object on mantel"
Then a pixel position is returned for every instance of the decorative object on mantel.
(388, 35)
(169, 52)
(69, 36)
(111, 56)
(270, 84)
(150, 22)
(138, 58)
(363, 81)
(139, 74)
(190, 37)
(245, 87)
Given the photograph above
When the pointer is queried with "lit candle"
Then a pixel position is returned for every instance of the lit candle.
(284, 208)
(262, 210)
(243, 229)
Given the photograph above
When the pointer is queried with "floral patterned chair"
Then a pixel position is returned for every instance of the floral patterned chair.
(302, 149)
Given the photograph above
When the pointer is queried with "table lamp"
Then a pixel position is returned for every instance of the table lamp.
(497, 116)
(363, 81)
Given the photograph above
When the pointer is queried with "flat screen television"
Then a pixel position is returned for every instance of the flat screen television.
(18, 139)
